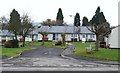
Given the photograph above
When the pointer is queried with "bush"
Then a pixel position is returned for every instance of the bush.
(57, 43)
(103, 44)
(11, 44)
(8, 44)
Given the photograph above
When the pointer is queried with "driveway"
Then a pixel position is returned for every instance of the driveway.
(43, 58)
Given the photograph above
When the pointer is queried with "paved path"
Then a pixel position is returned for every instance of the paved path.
(44, 58)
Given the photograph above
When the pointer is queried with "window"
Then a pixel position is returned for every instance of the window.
(86, 36)
(83, 36)
(91, 36)
(56, 36)
(74, 35)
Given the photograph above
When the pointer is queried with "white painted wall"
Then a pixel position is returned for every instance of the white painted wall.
(39, 37)
(68, 37)
(113, 40)
(50, 37)
(0, 39)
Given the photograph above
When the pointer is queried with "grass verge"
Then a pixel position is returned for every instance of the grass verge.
(47, 44)
(12, 52)
(104, 54)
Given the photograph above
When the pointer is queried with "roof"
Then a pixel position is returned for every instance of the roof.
(65, 29)
(53, 29)
(35, 31)
(5, 33)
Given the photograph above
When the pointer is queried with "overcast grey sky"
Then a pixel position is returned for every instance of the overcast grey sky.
(40, 10)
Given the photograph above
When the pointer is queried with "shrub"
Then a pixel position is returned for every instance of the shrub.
(8, 44)
(57, 43)
(11, 44)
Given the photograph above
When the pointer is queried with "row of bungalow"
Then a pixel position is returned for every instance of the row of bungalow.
(72, 33)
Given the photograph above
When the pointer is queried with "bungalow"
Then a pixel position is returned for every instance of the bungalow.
(5, 35)
(73, 33)
(114, 40)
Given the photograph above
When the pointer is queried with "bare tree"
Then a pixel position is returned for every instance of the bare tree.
(3, 22)
(26, 26)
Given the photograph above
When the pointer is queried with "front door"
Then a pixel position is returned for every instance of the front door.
(53, 36)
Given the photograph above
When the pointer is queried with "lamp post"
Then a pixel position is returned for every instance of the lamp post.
(76, 27)
(73, 28)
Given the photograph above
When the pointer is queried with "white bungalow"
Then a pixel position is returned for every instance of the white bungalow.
(54, 33)
(5, 35)
(114, 39)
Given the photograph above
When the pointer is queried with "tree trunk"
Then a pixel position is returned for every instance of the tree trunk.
(16, 37)
(97, 42)
(63, 41)
(16, 42)
(23, 41)
(79, 37)
(43, 40)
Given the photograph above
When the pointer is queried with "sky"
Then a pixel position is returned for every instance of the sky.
(40, 10)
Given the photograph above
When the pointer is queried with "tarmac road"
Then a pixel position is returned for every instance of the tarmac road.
(44, 58)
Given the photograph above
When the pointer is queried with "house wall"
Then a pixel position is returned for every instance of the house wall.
(50, 37)
(6, 38)
(88, 37)
(0, 38)
(67, 37)
(39, 37)
(113, 38)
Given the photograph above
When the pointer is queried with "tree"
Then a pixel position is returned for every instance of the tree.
(3, 22)
(59, 18)
(77, 20)
(50, 22)
(44, 32)
(44, 35)
(26, 27)
(63, 38)
(14, 25)
(99, 26)
(77, 24)
(85, 21)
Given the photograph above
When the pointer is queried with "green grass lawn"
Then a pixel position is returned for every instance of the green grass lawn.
(105, 54)
(12, 52)
(47, 44)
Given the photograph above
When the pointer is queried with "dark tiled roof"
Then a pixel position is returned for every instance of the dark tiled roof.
(5, 33)
(64, 29)
(35, 31)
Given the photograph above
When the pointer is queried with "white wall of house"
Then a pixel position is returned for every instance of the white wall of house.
(6, 38)
(68, 37)
(87, 37)
(0, 39)
(39, 37)
(59, 37)
(28, 39)
(50, 37)
(113, 39)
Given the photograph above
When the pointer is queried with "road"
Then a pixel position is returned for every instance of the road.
(44, 58)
